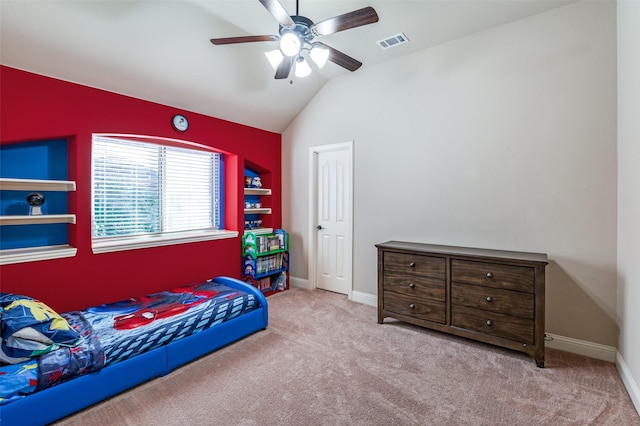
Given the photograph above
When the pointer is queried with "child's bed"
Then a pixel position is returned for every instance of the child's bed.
(63, 363)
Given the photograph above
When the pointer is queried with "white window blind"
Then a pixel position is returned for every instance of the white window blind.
(142, 188)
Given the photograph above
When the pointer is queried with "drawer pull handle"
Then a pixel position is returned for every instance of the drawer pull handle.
(489, 323)
(489, 299)
(489, 275)
(412, 306)
(412, 285)
(412, 265)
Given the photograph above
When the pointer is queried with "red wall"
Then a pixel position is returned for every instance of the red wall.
(35, 107)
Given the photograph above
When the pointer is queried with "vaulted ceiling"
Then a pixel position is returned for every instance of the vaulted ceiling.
(160, 50)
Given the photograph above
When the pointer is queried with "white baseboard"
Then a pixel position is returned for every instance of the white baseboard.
(356, 296)
(629, 381)
(364, 298)
(299, 283)
(581, 347)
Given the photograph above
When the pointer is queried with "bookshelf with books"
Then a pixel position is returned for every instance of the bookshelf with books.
(265, 260)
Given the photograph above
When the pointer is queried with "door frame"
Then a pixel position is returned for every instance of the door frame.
(313, 210)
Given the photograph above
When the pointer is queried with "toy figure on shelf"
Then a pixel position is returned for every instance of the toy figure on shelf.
(252, 224)
(252, 182)
(256, 182)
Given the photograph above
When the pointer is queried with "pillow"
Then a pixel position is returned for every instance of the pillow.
(31, 328)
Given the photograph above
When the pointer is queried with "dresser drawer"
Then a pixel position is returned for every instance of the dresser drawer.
(493, 323)
(415, 307)
(414, 264)
(508, 302)
(416, 286)
(520, 278)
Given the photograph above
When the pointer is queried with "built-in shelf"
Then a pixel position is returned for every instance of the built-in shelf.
(34, 254)
(259, 231)
(8, 184)
(257, 191)
(54, 155)
(262, 210)
(37, 219)
(254, 200)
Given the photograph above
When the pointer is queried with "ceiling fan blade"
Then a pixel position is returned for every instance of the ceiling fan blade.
(279, 12)
(354, 19)
(244, 39)
(342, 59)
(284, 69)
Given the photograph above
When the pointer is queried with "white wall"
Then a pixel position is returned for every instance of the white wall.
(629, 193)
(503, 139)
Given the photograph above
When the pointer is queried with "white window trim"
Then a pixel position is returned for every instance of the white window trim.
(109, 245)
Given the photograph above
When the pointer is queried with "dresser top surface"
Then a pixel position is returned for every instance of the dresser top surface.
(464, 251)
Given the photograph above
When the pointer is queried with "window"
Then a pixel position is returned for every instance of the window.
(147, 194)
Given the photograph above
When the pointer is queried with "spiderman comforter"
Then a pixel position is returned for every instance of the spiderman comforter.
(40, 348)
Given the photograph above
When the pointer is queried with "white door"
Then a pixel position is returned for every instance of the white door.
(333, 213)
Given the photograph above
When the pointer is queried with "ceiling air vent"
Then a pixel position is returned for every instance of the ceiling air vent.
(395, 40)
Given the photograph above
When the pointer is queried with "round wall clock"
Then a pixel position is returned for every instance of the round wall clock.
(180, 122)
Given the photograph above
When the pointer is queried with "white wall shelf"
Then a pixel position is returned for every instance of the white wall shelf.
(257, 191)
(7, 184)
(34, 254)
(262, 210)
(37, 219)
(259, 231)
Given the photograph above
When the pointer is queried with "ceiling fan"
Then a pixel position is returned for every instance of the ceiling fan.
(297, 35)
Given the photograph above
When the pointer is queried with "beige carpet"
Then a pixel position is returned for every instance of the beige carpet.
(325, 361)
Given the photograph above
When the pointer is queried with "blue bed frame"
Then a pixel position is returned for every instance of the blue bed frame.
(66, 398)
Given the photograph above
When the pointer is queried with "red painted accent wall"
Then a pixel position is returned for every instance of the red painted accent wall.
(35, 107)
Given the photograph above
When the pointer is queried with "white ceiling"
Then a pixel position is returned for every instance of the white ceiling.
(160, 50)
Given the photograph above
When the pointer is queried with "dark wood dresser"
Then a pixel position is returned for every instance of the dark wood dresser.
(492, 296)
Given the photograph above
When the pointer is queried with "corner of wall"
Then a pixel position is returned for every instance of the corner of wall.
(628, 380)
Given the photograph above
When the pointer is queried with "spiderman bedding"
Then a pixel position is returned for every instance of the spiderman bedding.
(40, 348)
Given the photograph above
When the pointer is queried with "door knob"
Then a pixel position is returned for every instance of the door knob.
(319, 227)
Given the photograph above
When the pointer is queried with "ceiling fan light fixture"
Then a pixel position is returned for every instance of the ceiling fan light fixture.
(319, 55)
(290, 43)
(302, 68)
(274, 57)
(296, 38)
